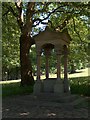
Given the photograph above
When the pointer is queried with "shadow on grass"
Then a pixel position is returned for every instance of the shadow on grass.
(75, 72)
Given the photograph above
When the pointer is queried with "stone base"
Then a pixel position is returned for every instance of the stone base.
(37, 89)
(66, 86)
(58, 87)
(49, 86)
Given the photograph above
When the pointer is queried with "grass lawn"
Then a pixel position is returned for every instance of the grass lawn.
(11, 89)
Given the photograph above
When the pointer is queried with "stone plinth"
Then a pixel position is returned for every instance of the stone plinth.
(58, 87)
(37, 89)
(49, 86)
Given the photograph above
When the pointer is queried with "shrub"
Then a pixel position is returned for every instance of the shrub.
(80, 85)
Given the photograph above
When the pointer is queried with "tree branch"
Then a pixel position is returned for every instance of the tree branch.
(49, 13)
(20, 19)
(38, 20)
(29, 15)
(77, 31)
(44, 8)
(9, 9)
(5, 13)
(18, 16)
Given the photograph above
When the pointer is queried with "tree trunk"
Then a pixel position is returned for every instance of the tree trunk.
(26, 68)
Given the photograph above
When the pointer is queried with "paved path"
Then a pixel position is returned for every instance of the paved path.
(31, 106)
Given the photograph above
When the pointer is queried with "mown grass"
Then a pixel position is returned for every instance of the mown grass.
(80, 85)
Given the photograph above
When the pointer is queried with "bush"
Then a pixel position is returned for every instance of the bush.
(80, 85)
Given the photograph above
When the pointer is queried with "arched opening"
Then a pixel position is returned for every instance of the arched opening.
(47, 50)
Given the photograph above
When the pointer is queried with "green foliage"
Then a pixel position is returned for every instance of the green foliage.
(79, 43)
(78, 28)
(78, 31)
(80, 85)
(10, 40)
(10, 44)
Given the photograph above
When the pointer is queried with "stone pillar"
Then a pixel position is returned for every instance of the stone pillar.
(66, 84)
(38, 65)
(38, 83)
(47, 54)
(58, 65)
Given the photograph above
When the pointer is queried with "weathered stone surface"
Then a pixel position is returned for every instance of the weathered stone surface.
(58, 87)
(48, 85)
(37, 87)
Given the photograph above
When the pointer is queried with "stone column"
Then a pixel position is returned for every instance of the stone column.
(47, 54)
(66, 85)
(38, 64)
(37, 89)
(58, 65)
(58, 87)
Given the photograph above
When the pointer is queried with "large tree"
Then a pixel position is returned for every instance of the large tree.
(30, 15)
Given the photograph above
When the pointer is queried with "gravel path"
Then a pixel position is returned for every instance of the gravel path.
(31, 106)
